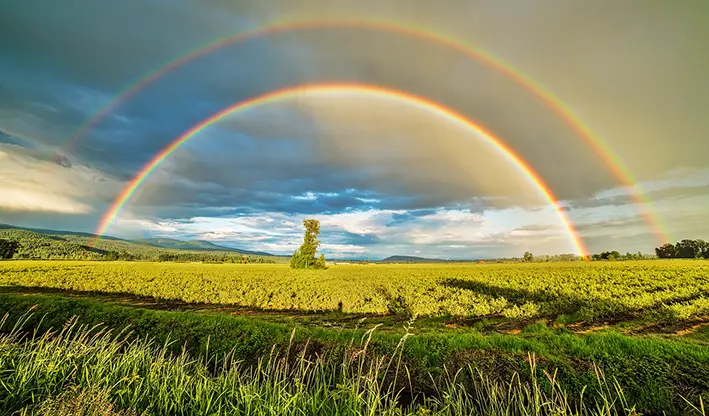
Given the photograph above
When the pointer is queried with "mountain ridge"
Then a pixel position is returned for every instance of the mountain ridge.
(197, 245)
(410, 259)
(167, 243)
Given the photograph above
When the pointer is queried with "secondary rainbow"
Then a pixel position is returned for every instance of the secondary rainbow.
(600, 147)
(278, 95)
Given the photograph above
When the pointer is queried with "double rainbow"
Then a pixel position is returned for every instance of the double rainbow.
(282, 94)
(595, 142)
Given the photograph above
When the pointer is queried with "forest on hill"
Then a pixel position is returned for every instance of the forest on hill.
(23, 244)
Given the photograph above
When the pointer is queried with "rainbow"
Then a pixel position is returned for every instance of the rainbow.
(278, 95)
(600, 147)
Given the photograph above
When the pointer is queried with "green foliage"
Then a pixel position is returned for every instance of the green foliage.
(8, 248)
(616, 256)
(304, 257)
(584, 291)
(296, 260)
(685, 249)
(545, 258)
(607, 255)
(34, 245)
(528, 256)
(540, 372)
(666, 251)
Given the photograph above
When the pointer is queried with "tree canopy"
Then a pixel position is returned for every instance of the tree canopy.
(685, 249)
(304, 257)
(8, 248)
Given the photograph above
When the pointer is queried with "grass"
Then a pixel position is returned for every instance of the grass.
(82, 370)
(654, 374)
(641, 324)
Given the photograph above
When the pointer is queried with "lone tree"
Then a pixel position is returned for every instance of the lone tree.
(8, 248)
(304, 257)
(528, 256)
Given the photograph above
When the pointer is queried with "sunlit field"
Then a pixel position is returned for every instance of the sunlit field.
(538, 338)
(568, 292)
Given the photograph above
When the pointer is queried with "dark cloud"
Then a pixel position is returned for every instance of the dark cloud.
(190, 93)
(61, 160)
(351, 238)
(107, 45)
(537, 227)
(10, 139)
(410, 216)
(676, 192)
(605, 225)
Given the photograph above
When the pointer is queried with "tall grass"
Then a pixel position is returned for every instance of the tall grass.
(80, 370)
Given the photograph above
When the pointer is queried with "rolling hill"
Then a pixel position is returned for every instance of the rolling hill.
(410, 259)
(197, 245)
(52, 244)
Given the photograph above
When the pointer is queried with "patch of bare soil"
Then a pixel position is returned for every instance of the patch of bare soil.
(594, 328)
(677, 328)
(691, 329)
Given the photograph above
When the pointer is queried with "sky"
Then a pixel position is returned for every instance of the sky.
(384, 175)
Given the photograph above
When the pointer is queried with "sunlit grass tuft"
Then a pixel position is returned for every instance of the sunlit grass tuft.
(80, 370)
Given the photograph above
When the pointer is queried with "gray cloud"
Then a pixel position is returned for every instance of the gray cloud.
(635, 71)
(675, 193)
(32, 181)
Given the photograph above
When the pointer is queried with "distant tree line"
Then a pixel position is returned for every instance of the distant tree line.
(616, 256)
(23, 244)
(213, 257)
(685, 249)
(606, 255)
(528, 257)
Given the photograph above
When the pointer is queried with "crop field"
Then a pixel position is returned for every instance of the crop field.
(569, 292)
(480, 328)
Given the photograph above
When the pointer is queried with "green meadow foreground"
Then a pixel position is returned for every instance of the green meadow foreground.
(538, 338)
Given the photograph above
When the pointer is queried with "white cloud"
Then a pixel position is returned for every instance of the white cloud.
(32, 183)
(18, 199)
(340, 249)
(372, 222)
(445, 233)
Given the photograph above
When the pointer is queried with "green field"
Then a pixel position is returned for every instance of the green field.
(640, 323)
(565, 292)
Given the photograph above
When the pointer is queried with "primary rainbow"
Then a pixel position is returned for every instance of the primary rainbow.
(600, 147)
(274, 96)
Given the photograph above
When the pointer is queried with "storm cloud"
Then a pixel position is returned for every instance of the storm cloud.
(634, 72)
